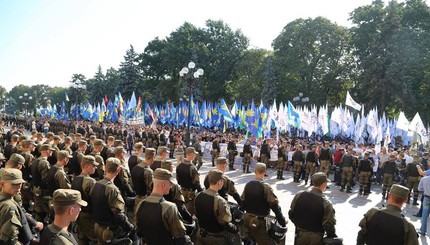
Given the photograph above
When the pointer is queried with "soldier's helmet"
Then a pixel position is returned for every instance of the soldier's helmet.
(276, 231)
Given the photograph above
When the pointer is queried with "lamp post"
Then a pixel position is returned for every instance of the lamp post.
(79, 88)
(25, 101)
(300, 100)
(191, 75)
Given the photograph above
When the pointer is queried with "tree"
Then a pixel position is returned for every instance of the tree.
(130, 75)
(313, 56)
(3, 96)
(77, 92)
(247, 79)
(270, 86)
(392, 49)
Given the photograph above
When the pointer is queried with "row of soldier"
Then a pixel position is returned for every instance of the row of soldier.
(98, 146)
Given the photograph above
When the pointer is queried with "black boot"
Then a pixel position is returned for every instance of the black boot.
(213, 162)
(280, 175)
(277, 175)
(366, 191)
(383, 194)
(243, 169)
(360, 191)
(415, 203)
(348, 189)
(247, 169)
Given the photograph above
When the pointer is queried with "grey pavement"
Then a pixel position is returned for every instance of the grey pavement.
(349, 208)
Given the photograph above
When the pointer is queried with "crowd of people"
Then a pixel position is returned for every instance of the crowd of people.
(77, 173)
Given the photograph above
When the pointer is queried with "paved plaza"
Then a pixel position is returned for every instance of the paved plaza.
(349, 208)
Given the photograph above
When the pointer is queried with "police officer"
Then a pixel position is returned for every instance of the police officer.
(298, 159)
(347, 165)
(247, 153)
(75, 162)
(109, 216)
(265, 152)
(123, 180)
(97, 149)
(258, 199)
(413, 178)
(216, 149)
(387, 225)
(39, 173)
(189, 179)
(138, 150)
(57, 177)
(312, 213)
(198, 160)
(161, 156)
(67, 207)
(84, 184)
(232, 152)
(158, 220)
(213, 212)
(14, 225)
(281, 161)
(325, 157)
(141, 176)
(175, 195)
(388, 169)
(365, 167)
(228, 185)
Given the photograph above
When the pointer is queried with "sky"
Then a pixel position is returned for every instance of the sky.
(47, 41)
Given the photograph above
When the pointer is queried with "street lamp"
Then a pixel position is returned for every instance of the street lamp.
(79, 88)
(25, 100)
(191, 75)
(299, 100)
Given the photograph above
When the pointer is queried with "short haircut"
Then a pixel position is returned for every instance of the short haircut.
(398, 199)
(60, 210)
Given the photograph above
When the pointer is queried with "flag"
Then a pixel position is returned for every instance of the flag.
(67, 97)
(387, 138)
(418, 127)
(223, 110)
(293, 116)
(132, 104)
(351, 102)
(402, 122)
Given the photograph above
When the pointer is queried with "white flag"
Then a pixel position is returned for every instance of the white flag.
(387, 138)
(402, 122)
(418, 127)
(351, 102)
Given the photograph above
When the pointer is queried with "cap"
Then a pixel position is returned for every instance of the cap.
(112, 163)
(149, 152)
(190, 150)
(138, 145)
(90, 159)
(111, 138)
(78, 135)
(2, 157)
(400, 191)
(166, 164)
(221, 160)
(22, 138)
(82, 142)
(99, 142)
(118, 143)
(93, 137)
(17, 159)
(260, 167)
(214, 176)
(66, 197)
(68, 139)
(118, 150)
(46, 147)
(319, 178)
(56, 137)
(163, 174)
(416, 156)
(63, 154)
(11, 175)
(27, 143)
(162, 149)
